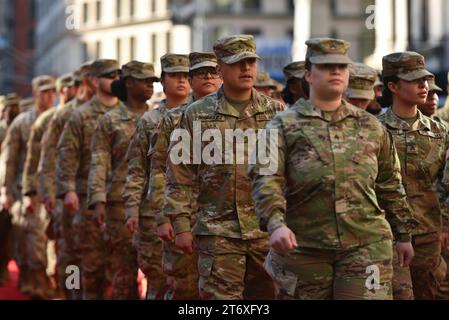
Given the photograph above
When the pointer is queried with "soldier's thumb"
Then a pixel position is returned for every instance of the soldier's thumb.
(401, 258)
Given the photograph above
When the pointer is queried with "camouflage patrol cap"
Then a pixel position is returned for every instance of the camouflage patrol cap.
(84, 70)
(139, 70)
(433, 86)
(328, 50)
(235, 48)
(361, 82)
(42, 83)
(202, 60)
(172, 63)
(26, 104)
(263, 80)
(9, 100)
(378, 81)
(101, 67)
(406, 65)
(64, 81)
(295, 69)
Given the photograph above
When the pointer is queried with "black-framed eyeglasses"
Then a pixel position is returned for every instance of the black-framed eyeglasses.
(203, 73)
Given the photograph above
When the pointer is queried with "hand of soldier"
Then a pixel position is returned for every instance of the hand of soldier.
(100, 213)
(133, 224)
(184, 241)
(30, 204)
(165, 232)
(6, 201)
(50, 204)
(283, 240)
(71, 201)
(444, 241)
(405, 253)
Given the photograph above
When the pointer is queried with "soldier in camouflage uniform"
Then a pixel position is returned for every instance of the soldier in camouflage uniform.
(9, 110)
(47, 172)
(72, 170)
(337, 167)
(26, 104)
(65, 86)
(264, 84)
(182, 268)
(141, 219)
(360, 90)
(296, 86)
(109, 146)
(29, 249)
(421, 144)
(231, 247)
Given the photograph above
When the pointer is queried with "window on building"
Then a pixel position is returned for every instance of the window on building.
(424, 21)
(223, 5)
(132, 6)
(153, 6)
(98, 7)
(85, 12)
(118, 8)
(153, 48)
(98, 50)
(132, 48)
(252, 5)
(118, 49)
(291, 5)
(30, 40)
(168, 41)
(85, 52)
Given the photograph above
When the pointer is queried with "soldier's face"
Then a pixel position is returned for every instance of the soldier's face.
(45, 99)
(378, 91)
(176, 84)
(410, 92)
(328, 81)
(11, 112)
(359, 103)
(240, 75)
(429, 108)
(205, 81)
(69, 93)
(142, 89)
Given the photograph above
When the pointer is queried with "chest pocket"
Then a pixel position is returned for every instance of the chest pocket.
(433, 145)
(317, 144)
(211, 121)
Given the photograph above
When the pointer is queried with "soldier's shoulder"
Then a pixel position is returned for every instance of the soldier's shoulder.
(150, 118)
(436, 125)
(269, 103)
(22, 118)
(205, 105)
(44, 117)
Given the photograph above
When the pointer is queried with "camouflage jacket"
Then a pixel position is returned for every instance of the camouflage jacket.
(29, 179)
(422, 151)
(136, 185)
(47, 164)
(73, 150)
(3, 129)
(334, 175)
(14, 149)
(110, 143)
(225, 207)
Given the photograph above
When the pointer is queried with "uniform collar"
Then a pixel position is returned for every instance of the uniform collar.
(392, 120)
(307, 109)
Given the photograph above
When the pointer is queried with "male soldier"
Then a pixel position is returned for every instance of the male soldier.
(337, 167)
(421, 144)
(443, 113)
(231, 247)
(375, 108)
(264, 84)
(139, 214)
(109, 146)
(360, 91)
(9, 109)
(72, 169)
(296, 86)
(182, 268)
(29, 251)
(47, 170)
(65, 87)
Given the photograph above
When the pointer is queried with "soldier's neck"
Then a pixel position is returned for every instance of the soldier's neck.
(404, 110)
(136, 106)
(175, 101)
(237, 95)
(106, 100)
(40, 109)
(325, 104)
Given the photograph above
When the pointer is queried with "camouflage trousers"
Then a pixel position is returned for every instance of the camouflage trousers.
(443, 290)
(123, 254)
(94, 254)
(5, 246)
(182, 273)
(61, 252)
(318, 274)
(232, 269)
(422, 279)
(149, 255)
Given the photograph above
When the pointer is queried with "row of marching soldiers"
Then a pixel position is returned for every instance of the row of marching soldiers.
(97, 168)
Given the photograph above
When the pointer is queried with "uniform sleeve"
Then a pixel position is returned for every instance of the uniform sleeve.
(181, 182)
(100, 162)
(29, 178)
(391, 192)
(267, 186)
(10, 157)
(444, 189)
(137, 170)
(68, 155)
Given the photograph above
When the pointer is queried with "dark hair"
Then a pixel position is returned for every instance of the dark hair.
(308, 65)
(118, 88)
(288, 96)
(387, 96)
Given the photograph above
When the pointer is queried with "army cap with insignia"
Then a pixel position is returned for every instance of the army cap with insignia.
(236, 48)
(264, 80)
(202, 60)
(433, 86)
(64, 81)
(139, 70)
(42, 83)
(174, 63)
(103, 67)
(328, 51)
(295, 69)
(408, 66)
(361, 82)
(84, 70)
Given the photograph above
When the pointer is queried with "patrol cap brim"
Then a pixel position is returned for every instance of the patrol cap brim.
(204, 64)
(378, 83)
(415, 75)
(239, 57)
(330, 59)
(360, 94)
(47, 87)
(108, 70)
(298, 75)
(434, 87)
(177, 69)
(144, 76)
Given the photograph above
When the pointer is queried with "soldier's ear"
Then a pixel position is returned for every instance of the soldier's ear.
(307, 76)
(393, 87)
